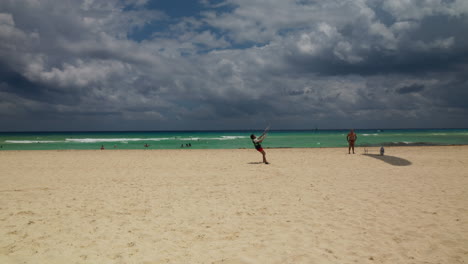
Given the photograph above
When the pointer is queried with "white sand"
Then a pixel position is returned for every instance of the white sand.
(221, 206)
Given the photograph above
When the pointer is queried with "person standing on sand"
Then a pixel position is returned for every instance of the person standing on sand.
(352, 137)
(256, 141)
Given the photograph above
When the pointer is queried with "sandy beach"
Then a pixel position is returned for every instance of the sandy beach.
(224, 206)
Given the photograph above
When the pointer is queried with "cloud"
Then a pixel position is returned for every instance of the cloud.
(406, 10)
(414, 88)
(297, 63)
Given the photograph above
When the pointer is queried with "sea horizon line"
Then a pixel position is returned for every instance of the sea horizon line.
(221, 130)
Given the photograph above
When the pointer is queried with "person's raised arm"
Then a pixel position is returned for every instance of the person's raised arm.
(262, 137)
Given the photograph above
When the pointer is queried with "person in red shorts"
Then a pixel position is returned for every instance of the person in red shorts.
(352, 137)
(256, 141)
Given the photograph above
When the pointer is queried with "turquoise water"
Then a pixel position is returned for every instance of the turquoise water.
(227, 139)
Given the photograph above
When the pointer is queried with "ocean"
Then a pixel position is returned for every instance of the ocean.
(228, 139)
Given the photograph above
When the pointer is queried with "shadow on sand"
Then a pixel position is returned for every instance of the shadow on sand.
(256, 162)
(395, 161)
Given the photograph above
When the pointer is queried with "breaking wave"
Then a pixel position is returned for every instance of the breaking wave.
(403, 143)
(31, 141)
(97, 140)
(121, 140)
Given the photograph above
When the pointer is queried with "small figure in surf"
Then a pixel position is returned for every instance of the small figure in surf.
(256, 141)
(102, 147)
(351, 137)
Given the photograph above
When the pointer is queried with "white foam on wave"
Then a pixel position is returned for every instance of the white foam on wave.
(231, 137)
(370, 135)
(405, 142)
(217, 138)
(122, 140)
(228, 138)
(31, 141)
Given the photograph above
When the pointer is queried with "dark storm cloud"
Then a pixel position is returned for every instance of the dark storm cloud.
(14, 82)
(414, 88)
(420, 50)
(129, 64)
(452, 93)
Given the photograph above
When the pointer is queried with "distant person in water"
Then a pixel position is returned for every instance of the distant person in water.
(146, 145)
(102, 147)
(352, 137)
(256, 141)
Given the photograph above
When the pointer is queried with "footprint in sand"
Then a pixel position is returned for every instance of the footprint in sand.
(25, 213)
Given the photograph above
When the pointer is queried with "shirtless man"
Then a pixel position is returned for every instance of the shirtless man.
(256, 141)
(352, 137)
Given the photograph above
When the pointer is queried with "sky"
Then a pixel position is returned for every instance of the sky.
(105, 65)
